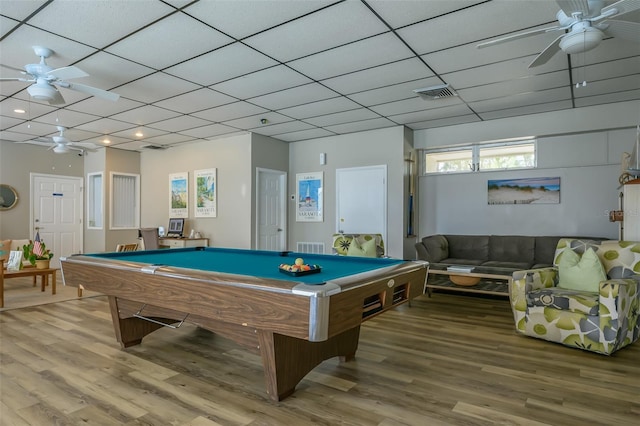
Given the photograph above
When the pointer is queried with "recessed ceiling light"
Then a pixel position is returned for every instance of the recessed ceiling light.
(139, 134)
(19, 111)
(106, 141)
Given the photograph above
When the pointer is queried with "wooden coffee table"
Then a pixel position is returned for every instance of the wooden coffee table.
(494, 281)
(29, 271)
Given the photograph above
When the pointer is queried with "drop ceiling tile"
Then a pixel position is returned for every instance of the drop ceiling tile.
(229, 111)
(210, 131)
(360, 126)
(449, 121)
(513, 87)
(314, 109)
(304, 134)
(240, 19)
(111, 140)
(416, 11)
(366, 53)
(98, 23)
(196, 101)
(66, 118)
(32, 109)
(145, 115)
(291, 126)
(526, 110)
(611, 85)
(106, 126)
(627, 95)
(222, 64)
(413, 104)
(295, 96)
(380, 76)
(20, 9)
(262, 82)
(131, 146)
(343, 117)
(180, 123)
(253, 121)
(479, 23)
(168, 139)
(14, 136)
(103, 108)
(155, 87)
(108, 71)
(33, 128)
(608, 50)
(7, 123)
(523, 99)
(147, 132)
(6, 25)
(325, 29)
(167, 42)
(77, 135)
(431, 114)
(607, 70)
(394, 92)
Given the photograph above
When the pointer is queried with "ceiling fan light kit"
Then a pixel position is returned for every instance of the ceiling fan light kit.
(578, 41)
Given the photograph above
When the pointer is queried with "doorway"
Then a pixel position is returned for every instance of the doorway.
(271, 218)
(56, 213)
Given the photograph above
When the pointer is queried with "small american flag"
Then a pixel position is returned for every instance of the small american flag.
(37, 245)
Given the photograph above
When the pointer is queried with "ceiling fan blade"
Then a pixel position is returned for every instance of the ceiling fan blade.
(94, 91)
(624, 30)
(14, 79)
(21, 70)
(547, 53)
(621, 7)
(518, 36)
(84, 145)
(32, 142)
(572, 6)
(67, 73)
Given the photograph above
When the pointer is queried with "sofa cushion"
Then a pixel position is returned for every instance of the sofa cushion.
(367, 249)
(434, 248)
(512, 248)
(452, 261)
(474, 247)
(508, 265)
(580, 273)
(545, 250)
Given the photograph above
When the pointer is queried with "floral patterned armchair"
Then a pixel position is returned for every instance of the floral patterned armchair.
(602, 321)
(342, 242)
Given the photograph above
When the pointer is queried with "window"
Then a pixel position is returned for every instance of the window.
(478, 157)
(95, 201)
(125, 201)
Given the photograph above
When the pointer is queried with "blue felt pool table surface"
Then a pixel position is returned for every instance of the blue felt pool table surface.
(256, 263)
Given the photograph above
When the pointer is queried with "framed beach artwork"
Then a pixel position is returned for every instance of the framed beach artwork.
(544, 190)
(309, 197)
(179, 194)
(206, 193)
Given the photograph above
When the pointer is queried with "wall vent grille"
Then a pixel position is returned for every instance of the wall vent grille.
(436, 92)
(159, 147)
(307, 247)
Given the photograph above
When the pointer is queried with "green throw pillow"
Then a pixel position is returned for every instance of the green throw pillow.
(576, 273)
(368, 249)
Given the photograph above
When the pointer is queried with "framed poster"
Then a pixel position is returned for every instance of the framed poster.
(206, 194)
(309, 197)
(544, 190)
(179, 195)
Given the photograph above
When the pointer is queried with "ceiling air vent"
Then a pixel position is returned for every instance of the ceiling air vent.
(159, 147)
(436, 92)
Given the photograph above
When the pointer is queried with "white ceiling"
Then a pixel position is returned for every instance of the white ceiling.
(194, 70)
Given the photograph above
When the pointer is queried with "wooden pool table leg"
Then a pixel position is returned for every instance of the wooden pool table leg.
(287, 360)
(129, 331)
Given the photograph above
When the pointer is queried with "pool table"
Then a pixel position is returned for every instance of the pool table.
(293, 321)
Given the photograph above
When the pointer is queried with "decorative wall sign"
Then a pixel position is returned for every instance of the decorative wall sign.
(179, 194)
(309, 197)
(206, 194)
(545, 190)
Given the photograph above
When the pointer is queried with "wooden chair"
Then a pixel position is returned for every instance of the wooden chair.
(127, 247)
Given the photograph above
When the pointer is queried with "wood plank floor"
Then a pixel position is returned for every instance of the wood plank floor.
(446, 360)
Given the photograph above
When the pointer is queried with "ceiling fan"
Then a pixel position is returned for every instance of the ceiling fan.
(61, 145)
(584, 24)
(46, 79)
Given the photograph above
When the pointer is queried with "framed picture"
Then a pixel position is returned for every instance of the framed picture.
(206, 193)
(179, 195)
(545, 190)
(309, 197)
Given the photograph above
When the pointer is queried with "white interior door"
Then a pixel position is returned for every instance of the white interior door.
(56, 213)
(361, 200)
(271, 214)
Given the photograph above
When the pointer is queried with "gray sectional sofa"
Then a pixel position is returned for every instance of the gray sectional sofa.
(517, 252)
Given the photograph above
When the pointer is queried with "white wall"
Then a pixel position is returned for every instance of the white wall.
(586, 160)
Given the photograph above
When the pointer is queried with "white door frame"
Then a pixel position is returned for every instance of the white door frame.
(78, 179)
(283, 204)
